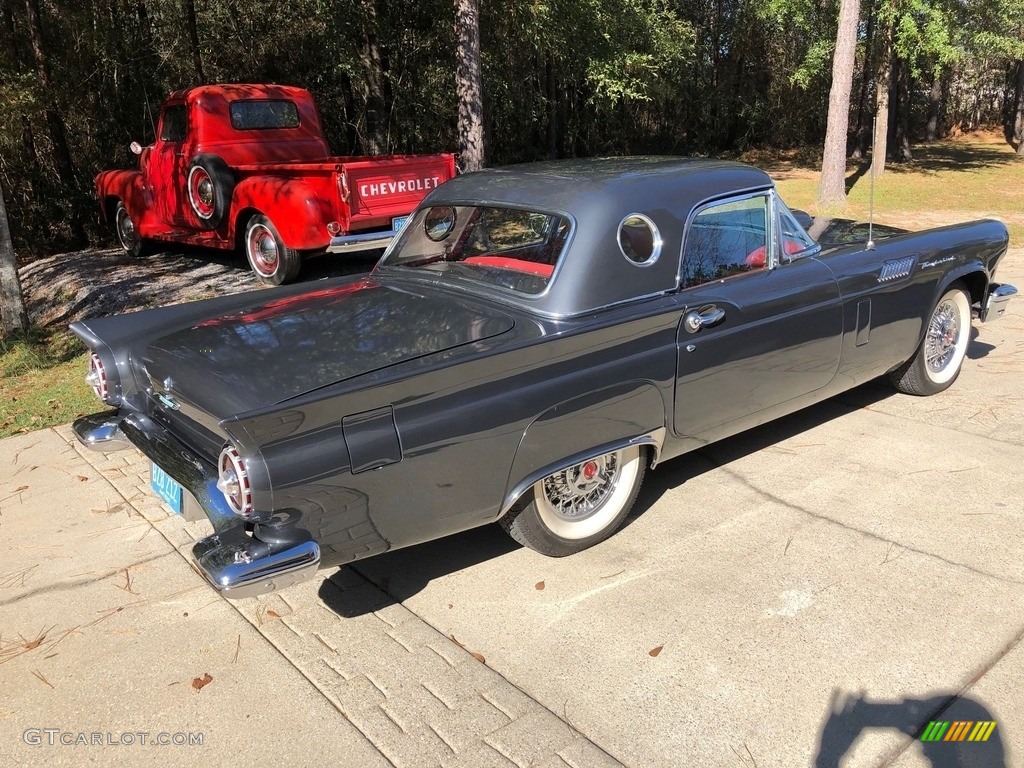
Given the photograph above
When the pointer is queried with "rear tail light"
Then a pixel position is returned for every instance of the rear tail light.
(97, 377)
(233, 482)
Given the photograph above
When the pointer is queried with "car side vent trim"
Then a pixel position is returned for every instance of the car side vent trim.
(897, 268)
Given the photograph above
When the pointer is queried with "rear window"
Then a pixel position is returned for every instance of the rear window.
(508, 248)
(264, 114)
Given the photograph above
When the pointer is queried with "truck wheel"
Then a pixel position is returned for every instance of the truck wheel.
(210, 186)
(127, 234)
(937, 362)
(579, 506)
(273, 262)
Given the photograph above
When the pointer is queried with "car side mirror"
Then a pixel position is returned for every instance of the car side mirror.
(803, 218)
(135, 147)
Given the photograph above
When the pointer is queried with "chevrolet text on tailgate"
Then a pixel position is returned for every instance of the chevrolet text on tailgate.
(247, 166)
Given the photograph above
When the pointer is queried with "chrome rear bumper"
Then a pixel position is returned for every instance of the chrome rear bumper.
(367, 241)
(999, 296)
(236, 563)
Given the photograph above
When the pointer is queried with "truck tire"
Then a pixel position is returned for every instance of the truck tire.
(210, 185)
(127, 233)
(271, 260)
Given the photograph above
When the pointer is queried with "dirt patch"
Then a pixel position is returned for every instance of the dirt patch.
(70, 286)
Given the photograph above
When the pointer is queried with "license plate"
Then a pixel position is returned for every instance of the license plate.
(166, 487)
(398, 222)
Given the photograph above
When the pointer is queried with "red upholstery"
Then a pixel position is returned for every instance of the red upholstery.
(518, 265)
(756, 258)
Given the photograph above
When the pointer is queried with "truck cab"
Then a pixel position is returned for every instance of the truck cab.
(248, 167)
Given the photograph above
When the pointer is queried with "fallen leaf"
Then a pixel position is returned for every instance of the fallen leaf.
(31, 645)
(655, 651)
(40, 677)
(21, 488)
(273, 614)
(200, 682)
(539, 586)
(454, 640)
(478, 656)
(83, 479)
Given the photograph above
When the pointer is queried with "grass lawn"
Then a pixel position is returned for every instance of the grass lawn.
(42, 382)
(949, 181)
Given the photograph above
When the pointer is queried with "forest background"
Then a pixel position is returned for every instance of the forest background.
(81, 79)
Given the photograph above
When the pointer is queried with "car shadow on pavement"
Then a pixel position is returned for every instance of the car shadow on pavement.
(677, 472)
(400, 574)
(941, 724)
(977, 349)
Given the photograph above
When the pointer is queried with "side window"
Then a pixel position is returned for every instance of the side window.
(173, 124)
(795, 241)
(726, 239)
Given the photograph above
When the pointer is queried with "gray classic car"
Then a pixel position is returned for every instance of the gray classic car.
(535, 339)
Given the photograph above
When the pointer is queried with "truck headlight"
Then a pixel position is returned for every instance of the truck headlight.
(233, 482)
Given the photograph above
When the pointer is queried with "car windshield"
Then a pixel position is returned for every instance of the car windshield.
(507, 248)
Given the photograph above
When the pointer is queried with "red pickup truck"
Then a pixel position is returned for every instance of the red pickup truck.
(248, 166)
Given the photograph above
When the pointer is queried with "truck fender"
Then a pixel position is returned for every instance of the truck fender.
(293, 206)
(631, 413)
(209, 187)
(123, 186)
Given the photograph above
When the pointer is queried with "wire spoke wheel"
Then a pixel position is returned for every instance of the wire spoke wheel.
(580, 505)
(938, 360)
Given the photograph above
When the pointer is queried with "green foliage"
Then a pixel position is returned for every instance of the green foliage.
(561, 77)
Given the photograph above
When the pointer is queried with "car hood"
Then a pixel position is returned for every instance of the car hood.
(270, 352)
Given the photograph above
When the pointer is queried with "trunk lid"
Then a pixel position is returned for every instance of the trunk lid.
(282, 348)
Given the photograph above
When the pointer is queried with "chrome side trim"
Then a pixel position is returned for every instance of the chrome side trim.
(101, 432)
(363, 242)
(239, 566)
(998, 298)
(655, 438)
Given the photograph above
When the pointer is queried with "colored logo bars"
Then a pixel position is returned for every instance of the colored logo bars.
(958, 730)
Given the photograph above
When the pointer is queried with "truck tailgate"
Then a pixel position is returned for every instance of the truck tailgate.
(381, 188)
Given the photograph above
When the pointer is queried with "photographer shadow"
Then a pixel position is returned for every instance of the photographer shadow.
(850, 715)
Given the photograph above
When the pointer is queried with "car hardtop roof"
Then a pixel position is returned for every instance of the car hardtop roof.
(236, 91)
(564, 184)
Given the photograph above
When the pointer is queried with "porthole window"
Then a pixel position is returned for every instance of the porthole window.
(639, 239)
(439, 222)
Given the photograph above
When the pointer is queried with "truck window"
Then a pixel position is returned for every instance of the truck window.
(263, 114)
(174, 124)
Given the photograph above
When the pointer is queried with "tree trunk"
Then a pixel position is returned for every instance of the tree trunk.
(193, 41)
(552, 87)
(1018, 119)
(832, 187)
(901, 112)
(882, 78)
(860, 149)
(54, 122)
(469, 84)
(13, 318)
(934, 105)
(373, 83)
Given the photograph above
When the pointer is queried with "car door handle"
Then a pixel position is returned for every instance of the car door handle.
(705, 317)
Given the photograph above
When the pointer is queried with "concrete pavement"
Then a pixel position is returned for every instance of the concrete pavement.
(811, 593)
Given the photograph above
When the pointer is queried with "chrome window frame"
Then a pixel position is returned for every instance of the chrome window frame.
(771, 236)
